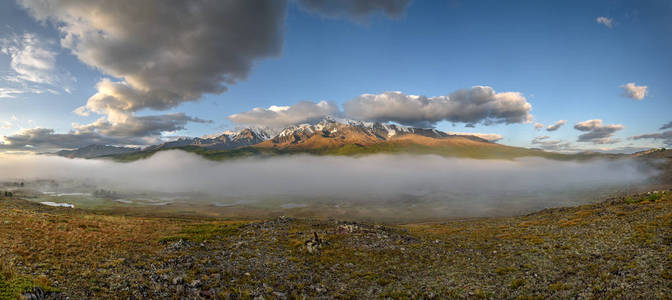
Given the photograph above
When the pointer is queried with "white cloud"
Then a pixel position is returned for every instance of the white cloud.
(597, 133)
(556, 125)
(281, 116)
(480, 104)
(9, 92)
(30, 58)
(634, 91)
(539, 126)
(609, 22)
(33, 67)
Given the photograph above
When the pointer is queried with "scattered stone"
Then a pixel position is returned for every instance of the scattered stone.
(314, 244)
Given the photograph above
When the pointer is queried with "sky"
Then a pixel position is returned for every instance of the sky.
(556, 75)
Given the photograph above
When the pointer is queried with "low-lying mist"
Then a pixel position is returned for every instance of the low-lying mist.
(385, 186)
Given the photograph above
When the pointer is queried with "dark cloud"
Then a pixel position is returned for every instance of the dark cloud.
(358, 10)
(139, 131)
(556, 125)
(665, 136)
(597, 133)
(666, 126)
(163, 52)
(166, 52)
(140, 126)
(281, 116)
(43, 139)
(480, 104)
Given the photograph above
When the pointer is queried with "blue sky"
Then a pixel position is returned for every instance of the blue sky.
(566, 65)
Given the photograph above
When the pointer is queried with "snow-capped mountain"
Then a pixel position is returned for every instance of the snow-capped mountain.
(328, 133)
(342, 131)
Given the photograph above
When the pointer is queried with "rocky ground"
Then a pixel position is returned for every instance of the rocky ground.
(620, 248)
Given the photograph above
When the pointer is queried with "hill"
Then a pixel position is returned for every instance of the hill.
(93, 151)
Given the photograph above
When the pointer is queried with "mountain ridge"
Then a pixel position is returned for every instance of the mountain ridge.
(328, 133)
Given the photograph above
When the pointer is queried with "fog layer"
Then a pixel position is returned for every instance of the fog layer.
(472, 187)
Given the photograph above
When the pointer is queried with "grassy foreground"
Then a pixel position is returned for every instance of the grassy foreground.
(621, 248)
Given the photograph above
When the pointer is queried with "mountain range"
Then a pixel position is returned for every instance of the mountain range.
(328, 136)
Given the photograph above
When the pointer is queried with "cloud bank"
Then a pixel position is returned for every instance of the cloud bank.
(597, 133)
(635, 92)
(665, 136)
(480, 104)
(44, 139)
(435, 184)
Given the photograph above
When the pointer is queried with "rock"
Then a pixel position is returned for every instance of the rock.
(195, 283)
(314, 244)
(178, 280)
(179, 245)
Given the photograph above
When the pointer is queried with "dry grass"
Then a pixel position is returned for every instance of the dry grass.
(616, 249)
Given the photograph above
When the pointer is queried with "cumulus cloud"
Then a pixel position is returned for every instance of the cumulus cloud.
(544, 142)
(609, 22)
(281, 116)
(556, 125)
(597, 133)
(666, 126)
(636, 92)
(190, 47)
(665, 136)
(480, 104)
(355, 9)
(539, 126)
(44, 139)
